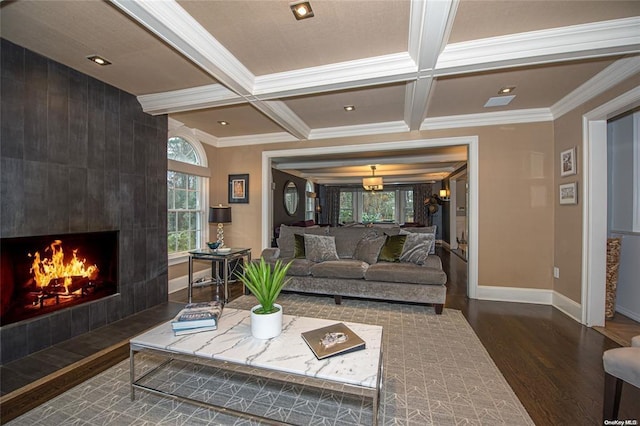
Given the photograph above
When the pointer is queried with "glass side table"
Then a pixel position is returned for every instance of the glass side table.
(217, 258)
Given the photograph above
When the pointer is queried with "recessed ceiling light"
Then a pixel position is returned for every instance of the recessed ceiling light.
(301, 10)
(98, 60)
(506, 90)
(349, 108)
(223, 123)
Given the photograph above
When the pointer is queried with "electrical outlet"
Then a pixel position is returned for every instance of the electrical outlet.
(556, 272)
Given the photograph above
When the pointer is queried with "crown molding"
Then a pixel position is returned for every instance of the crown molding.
(205, 137)
(488, 119)
(264, 138)
(359, 130)
(209, 96)
(607, 78)
(384, 69)
(534, 47)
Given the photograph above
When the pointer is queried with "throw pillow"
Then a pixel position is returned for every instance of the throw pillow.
(423, 230)
(368, 248)
(392, 248)
(298, 247)
(416, 248)
(319, 248)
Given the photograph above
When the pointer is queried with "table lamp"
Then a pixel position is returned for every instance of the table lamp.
(220, 215)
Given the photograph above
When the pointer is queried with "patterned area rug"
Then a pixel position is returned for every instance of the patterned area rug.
(436, 372)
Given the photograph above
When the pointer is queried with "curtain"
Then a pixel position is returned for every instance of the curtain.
(333, 205)
(421, 192)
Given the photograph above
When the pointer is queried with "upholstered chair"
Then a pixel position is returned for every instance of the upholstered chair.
(620, 365)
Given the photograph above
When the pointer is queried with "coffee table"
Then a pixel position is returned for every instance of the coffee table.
(286, 357)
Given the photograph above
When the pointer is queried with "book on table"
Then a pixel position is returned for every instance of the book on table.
(198, 315)
(187, 331)
(333, 340)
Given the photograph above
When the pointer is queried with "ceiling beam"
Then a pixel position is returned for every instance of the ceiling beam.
(316, 164)
(598, 39)
(429, 27)
(169, 21)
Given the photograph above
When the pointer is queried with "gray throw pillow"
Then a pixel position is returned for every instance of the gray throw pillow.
(423, 230)
(416, 248)
(368, 248)
(319, 248)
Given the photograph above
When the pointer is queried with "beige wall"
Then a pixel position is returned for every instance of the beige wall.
(568, 218)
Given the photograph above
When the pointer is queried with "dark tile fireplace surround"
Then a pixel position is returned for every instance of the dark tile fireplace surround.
(79, 156)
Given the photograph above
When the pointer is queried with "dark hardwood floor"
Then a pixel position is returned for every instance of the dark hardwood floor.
(553, 363)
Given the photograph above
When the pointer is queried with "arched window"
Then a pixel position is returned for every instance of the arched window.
(186, 196)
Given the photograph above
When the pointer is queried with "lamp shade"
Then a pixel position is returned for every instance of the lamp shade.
(220, 214)
(373, 183)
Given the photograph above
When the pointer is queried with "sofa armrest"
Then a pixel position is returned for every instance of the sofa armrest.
(270, 254)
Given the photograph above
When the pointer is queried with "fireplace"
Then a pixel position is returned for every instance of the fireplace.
(43, 274)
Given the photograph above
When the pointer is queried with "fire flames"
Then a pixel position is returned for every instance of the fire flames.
(48, 269)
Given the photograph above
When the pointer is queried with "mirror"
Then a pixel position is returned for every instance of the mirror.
(290, 198)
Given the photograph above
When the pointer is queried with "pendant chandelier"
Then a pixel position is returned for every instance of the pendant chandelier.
(373, 183)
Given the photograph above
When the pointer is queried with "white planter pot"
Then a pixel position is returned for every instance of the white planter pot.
(266, 326)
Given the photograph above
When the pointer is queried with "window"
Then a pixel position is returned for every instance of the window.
(186, 223)
(395, 205)
(310, 201)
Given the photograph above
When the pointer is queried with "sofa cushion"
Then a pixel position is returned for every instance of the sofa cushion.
(299, 267)
(392, 248)
(416, 248)
(368, 248)
(405, 273)
(347, 239)
(319, 248)
(343, 268)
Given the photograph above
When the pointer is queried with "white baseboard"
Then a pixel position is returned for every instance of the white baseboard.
(532, 295)
(627, 313)
(180, 283)
(570, 307)
(514, 294)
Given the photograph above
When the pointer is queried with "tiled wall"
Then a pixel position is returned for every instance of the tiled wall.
(78, 155)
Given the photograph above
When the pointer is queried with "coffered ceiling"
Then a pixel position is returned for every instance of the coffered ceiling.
(404, 65)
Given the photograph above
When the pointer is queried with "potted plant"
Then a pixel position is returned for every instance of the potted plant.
(265, 282)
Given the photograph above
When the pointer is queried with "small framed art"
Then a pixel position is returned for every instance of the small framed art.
(239, 189)
(569, 193)
(568, 162)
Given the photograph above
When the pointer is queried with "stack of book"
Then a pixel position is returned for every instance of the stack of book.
(197, 317)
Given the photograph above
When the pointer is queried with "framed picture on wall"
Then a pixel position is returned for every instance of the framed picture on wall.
(239, 189)
(569, 193)
(568, 162)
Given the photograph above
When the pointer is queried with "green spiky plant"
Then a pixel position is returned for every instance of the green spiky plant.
(265, 283)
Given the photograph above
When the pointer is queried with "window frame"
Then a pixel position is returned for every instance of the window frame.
(181, 257)
(358, 203)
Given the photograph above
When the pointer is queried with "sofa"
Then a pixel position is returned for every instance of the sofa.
(372, 262)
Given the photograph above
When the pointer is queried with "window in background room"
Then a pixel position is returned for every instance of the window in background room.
(310, 202)
(394, 205)
(185, 196)
(346, 207)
